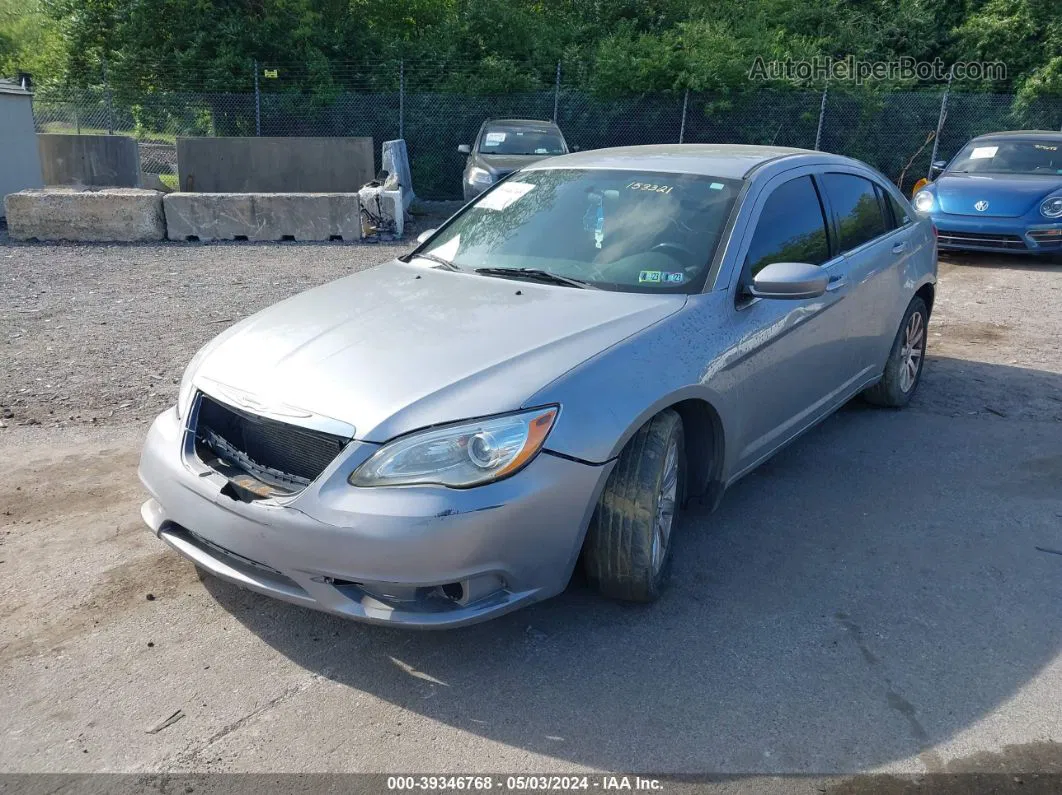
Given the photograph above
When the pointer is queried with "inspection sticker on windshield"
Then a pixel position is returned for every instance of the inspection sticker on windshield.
(658, 277)
(504, 195)
(494, 138)
(982, 152)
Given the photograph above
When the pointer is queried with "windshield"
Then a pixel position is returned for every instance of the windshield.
(521, 141)
(634, 231)
(1010, 157)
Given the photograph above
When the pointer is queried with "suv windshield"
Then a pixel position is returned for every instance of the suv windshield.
(1010, 157)
(521, 141)
(634, 231)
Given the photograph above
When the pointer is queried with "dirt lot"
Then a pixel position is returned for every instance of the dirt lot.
(883, 595)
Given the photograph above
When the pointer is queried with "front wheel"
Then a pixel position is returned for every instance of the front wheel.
(627, 554)
(904, 366)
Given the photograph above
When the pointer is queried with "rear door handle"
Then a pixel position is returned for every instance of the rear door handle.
(899, 248)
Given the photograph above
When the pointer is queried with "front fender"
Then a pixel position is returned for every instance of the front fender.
(605, 400)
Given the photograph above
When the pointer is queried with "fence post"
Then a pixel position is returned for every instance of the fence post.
(401, 99)
(940, 124)
(257, 102)
(556, 93)
(682, 126)
(107, 97)
(822, 115)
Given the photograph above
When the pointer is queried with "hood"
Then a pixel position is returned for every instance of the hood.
(401, 347)
(1008, 195)
(502, 165)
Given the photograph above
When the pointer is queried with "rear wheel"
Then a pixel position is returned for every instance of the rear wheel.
(627, 554)
(904, 366)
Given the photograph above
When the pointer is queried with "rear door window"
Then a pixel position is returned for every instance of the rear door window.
(856, 210)
(791, 228)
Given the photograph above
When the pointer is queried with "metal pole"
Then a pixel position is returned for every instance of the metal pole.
(940, 124)
(682, 126)
(822, 115)
(257, 102)
(401, 99)
(556, 94)
(107, 97)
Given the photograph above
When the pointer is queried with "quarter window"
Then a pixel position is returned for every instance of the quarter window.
(900, 216)
(791, 228)
(856, 209)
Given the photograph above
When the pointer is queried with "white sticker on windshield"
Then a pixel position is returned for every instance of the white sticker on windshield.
(504, 195)
(982, 152)
(493, 138)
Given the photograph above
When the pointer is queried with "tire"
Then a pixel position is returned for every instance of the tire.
(618, 555)
(903, 369)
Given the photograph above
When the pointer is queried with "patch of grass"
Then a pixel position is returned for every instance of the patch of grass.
(169, 180)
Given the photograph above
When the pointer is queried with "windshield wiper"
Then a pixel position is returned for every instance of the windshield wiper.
(536, 275)
(433, 258)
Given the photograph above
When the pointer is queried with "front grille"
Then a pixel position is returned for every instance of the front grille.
(267, 449)
(981, 240)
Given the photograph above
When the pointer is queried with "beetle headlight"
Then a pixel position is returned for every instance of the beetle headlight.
(1052, 208)
(480, 176)
(461, 455)
(923, 201)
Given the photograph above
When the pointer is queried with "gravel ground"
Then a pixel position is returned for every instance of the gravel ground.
(881, 596)
(101, 333)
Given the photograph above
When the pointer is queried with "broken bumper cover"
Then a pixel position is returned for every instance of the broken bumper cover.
(417, 556)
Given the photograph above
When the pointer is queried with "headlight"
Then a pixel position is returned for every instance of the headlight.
(187, 389)
(923, 201)
(1052, 208)
(480, 176)
(461, 455)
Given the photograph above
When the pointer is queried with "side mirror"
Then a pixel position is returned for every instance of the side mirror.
(423, 236)
(465, 149)
(789, 280)
(938, 166)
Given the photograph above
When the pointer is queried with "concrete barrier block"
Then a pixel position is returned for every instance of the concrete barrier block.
(107, 215)
(274, 165)
(263, 216)
(89, 160)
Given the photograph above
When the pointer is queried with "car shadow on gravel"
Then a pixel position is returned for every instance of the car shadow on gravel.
(878, 587)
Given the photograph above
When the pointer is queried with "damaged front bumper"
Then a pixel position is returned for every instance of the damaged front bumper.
(419, 556)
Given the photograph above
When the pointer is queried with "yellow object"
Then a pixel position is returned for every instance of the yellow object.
(918, 186)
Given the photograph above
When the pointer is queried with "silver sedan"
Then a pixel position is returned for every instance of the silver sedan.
(543, 383)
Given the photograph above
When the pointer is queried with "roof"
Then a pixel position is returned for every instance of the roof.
(729, 161)
(1035, 135)
(12, 87)
(521, 122)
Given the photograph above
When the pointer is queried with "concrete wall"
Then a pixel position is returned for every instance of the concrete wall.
(262, 216)
(274, 165)
(20, 163)
(90, 160)
(110, 214)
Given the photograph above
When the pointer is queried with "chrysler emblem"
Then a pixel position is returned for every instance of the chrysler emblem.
(981, 206)
(249, 401)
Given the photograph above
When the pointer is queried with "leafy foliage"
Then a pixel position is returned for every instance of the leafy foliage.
(613, 48)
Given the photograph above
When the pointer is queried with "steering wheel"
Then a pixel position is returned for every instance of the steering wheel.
(685, 255)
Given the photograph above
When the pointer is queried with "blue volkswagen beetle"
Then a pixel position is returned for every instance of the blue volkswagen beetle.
(1002, 192)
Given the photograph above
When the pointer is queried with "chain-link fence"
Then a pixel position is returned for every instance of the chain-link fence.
(896, 131)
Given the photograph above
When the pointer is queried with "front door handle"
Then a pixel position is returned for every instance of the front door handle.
(899, 248)
(836, 283)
